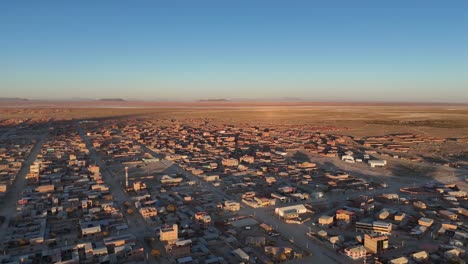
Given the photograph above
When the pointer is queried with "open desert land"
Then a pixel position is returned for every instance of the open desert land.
(421, 149)
(362, 119)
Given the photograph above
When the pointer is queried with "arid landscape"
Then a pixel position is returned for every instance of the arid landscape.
(444, 121)
(172, 175)
(233, 132)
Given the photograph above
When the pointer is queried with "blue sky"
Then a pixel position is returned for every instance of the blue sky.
(185, 50)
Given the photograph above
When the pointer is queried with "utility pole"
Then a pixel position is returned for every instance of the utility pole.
(126, 178)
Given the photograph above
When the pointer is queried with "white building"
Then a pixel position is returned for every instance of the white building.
(348, 158)
(232, 206)
(300, 209)
(377, 163)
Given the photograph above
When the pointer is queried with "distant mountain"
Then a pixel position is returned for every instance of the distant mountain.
(213, 100)
(290, 99)
(112, 100)
(279, 99)
(79, 99)
(6, 99)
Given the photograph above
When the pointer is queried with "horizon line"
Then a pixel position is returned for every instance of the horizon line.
(222, 101)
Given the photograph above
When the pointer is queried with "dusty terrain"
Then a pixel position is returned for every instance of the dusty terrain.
(363, 119)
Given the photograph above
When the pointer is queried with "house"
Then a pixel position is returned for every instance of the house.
(348, 158)
(325, 220)
(453, 253)
(230, 162)
(400, 260)
(138, 185)
(424, 221)
(147, 212)
(399, 217)
(90, 229)
(210, 178)
(356, 252)
(420, 205)
(3, 188)
(377, 163)
(448, 214)
(203, 217)
(45, 188)
(181, 248)
(232, 206)
(345, 215)
(420, 256)
(383, 214)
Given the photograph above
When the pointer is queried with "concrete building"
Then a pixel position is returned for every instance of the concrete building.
(90, 230)
(169, 233)
(180, 248)
(424, 221)
(138, 185)
(203, 217)
(299, 209)
(377, 163)
(419, 205)
(325, 220)
(375, 243)
(400, 260)
(383, 214)
(230, 162)
(232, 206)
(420, 256)
(399, 217)
(348, 158)
(210, 178)
(374, 227)
(148, 212)
(45, 188)
(345, 215)
(248, 159)
(356, 252)
(453, 253)
(166, 179)
(449, 215)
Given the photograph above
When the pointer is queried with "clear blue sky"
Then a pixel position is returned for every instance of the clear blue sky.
(182, 50)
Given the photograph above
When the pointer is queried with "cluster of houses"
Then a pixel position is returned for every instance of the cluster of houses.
(16, 141)
(397, 228)
(397, 142)
(412, 147)
(66, 213)
(174, 203)
(190, 182)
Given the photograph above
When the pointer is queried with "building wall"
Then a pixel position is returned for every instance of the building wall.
(169, 235)
(375, 244)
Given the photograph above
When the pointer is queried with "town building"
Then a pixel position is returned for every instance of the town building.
(374, 227)
(232, 206)
(325, 220)
(345, 215)
(356, 252)
(169, 233)
(375, 243)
